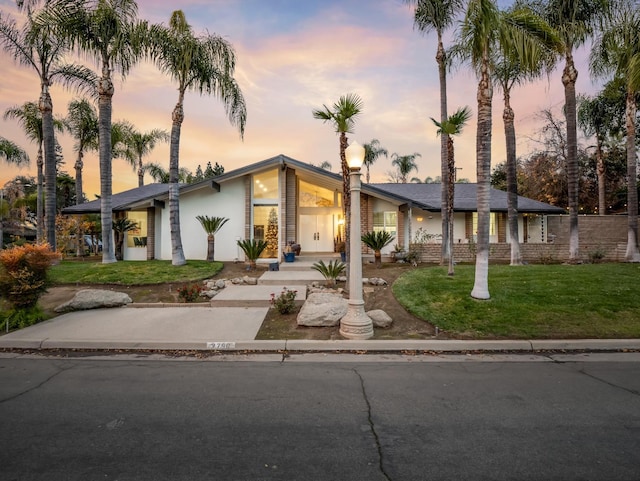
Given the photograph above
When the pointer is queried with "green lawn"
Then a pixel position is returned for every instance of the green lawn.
(534, 301)
(131, 272)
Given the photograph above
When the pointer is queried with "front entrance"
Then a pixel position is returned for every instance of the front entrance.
(316, 233)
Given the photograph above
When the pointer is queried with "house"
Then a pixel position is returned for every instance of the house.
(282, 199)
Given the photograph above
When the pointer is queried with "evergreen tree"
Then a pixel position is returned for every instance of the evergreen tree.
(271, 235)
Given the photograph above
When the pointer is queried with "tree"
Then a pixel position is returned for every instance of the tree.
(377, 241)
(342, 115)
(161, 175)
(452, 126)
(271, 236)
(121, 226)
(404, 164)
(29, 117)
(12, 153)
(214, 171)
(82, 123)
(617, 51)
(39, 46)
(108, 31)
(211, 225)
(206, 65)
(439, 15)
(573, 21)
(373, 150)
(139, 144)
(485, 31)
(325, 165)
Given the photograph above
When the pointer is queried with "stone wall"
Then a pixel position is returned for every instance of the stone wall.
(592, 229)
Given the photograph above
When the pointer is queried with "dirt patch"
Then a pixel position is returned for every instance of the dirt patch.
(276, 326)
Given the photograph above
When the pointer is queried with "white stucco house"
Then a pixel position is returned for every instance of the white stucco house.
(282, 199)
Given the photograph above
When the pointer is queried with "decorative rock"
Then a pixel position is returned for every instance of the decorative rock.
(251, 281)
(377, 281)
(365, 280)
(94, 299)
(209, 294)
(380, 318)
(236, 280)
(341, 278)
(221, 284)
(322, 309)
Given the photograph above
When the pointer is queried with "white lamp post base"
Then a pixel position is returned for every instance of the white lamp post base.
(356, 324)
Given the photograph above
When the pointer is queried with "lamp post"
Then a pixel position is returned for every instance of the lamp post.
(355, 324)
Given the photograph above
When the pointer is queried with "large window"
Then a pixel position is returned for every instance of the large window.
(137, 237)
(492, 224)
(385, 221)
(265, 185)
(315, 196)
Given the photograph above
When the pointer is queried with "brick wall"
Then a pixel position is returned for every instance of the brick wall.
(592, 228)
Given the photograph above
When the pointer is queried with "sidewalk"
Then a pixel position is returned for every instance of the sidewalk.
(234, 329)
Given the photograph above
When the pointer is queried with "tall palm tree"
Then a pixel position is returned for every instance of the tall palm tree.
(82, 122)
(29, 117)
(211, 225)
(204, 64)
(485, 31)
(507, 72)
(617, 51)
(12, 153)
(161, 175)
(108, 31)
(452, 126)
(38, 46)
(342, 115)
(439, 15)
(574, 22)
(405, 165)
(373, 150)
(140, 144)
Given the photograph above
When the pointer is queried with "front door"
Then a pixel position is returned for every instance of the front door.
(316, 233)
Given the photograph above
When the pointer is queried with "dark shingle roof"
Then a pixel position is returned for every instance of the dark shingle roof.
(427, 196)
(122, 200)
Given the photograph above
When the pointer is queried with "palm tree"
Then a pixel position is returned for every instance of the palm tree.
(121, 226)
(211, 225)
(617, 51)
(439, 15)
(372, 151)
(485, 30)
(252, 249)
(405, 165)
(139, 145)
(204, 64)
(452, 126)
(12, 153)
(38, 46)
(82, 122)
(29, 117)
(343, 116)
(574, 22)
(377, 241)
(106, 30)
(161, 175)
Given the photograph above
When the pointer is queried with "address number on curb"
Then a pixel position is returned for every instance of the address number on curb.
(221, 345)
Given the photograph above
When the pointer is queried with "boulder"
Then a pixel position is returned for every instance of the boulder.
(322, 309)
(377, 281)
(209, 294)
(94, 299)
(250, 281)
(380, 318)
(221, 284)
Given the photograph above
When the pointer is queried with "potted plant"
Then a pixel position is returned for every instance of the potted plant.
(340, 247)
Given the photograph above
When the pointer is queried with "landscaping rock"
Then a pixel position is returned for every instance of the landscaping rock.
(94, 299)
(322, 309)
(236, 280)
(377, 281)
(250, 281)
(221, 283)
(380, 318)
(209, 294)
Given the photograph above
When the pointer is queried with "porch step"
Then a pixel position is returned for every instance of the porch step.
(289, 277)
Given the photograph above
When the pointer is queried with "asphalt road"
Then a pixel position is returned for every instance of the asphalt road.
(453, 419)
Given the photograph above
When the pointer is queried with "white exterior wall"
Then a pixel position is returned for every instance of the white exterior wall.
(229, 202)
(431, 223)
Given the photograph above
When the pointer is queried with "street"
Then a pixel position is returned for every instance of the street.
(321, 417)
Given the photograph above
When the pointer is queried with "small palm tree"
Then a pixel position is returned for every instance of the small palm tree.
(373, 150)
(139, 144)
(211, 225)
(82, 123)
(330, 271)
(377, 241)
(121, 226)
(252, 249)
(405, 164)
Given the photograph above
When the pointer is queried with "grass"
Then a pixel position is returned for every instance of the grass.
(534, 301)
(130, 273)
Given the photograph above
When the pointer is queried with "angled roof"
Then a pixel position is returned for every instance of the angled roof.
(427, 197)
(123, 200)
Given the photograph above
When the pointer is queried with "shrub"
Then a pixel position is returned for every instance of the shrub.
(20, 318)
(377, 241)
(329, 271)
(252, 248)
(23, 273)
(189, 292)
(597, 254)
(285, 302)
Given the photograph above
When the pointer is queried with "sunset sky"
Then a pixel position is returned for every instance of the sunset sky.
(292, 57)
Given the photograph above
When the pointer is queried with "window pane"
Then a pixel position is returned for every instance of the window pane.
(315, 196)
(137, 237)
(265, 185)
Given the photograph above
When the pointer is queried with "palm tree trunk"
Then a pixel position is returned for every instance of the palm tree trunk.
(601, 171)
(512, 179)
(105, 92)
(450, 198)
(569, 78)
(632, 254)
(444, 163)
(78, 166)
(346, 195)
(211, 247)
(483, 173)
(140, 172)
(46, 109)
(40, 198)
(177, 253)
